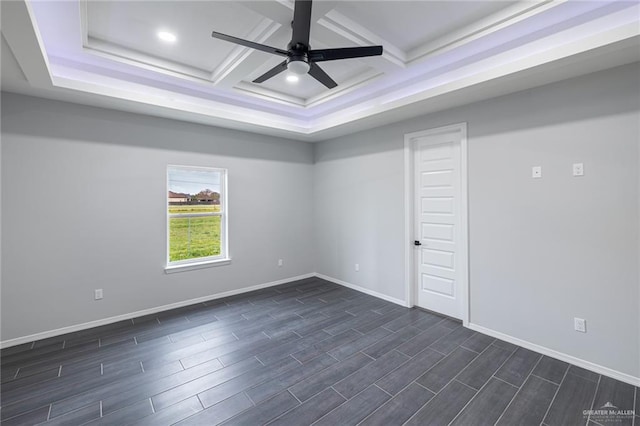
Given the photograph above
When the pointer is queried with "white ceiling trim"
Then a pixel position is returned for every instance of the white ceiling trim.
(260, 34)
(358, 82)
(361, 36)
(26, 43)
(74, 79)
(494, 69)
(264, 93)
(345, 87)
(67, 71)
(366, 96)
(84, 21)
(140, 60)
(491, 24)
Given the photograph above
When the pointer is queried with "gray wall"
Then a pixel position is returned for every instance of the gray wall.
(83, 207)
(83, 194)
(541, 251)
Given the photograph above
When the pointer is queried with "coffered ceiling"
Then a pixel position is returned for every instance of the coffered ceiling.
(437, 54)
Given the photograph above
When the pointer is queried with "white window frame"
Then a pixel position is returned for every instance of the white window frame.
(200, 262)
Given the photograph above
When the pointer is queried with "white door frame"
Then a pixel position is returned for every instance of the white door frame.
(409, 200)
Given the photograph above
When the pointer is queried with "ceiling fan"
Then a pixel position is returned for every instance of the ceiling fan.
(300, 59)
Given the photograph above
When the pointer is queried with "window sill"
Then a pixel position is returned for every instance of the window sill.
(196, 265)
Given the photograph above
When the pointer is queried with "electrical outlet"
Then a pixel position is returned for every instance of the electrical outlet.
(97, 294)
(536, 172)
(580, 325)
(357, 267)
(280, 262)
(578, 169)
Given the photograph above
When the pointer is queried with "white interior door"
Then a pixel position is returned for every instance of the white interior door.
(440, 220)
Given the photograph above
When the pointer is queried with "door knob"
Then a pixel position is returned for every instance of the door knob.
(417, 243)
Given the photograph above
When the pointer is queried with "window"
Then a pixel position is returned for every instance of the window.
(196, 215)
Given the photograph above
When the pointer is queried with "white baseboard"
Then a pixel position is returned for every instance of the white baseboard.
(623, 377)
(111, 320)
(596, 368)
(364, 290)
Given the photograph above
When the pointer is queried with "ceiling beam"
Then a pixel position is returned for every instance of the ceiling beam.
(242, 60)
(508, 16)
(21, 33)
(355, 33)
(281, 11)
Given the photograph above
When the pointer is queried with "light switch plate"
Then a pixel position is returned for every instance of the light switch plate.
(536, 172)
(578, 169)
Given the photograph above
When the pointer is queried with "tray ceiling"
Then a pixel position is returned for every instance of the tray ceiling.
(108, 53)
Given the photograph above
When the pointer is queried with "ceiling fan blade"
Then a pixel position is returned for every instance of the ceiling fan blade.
(316, 72)
(250, 44)
(344, 53)
(272, 72)
(301, 22)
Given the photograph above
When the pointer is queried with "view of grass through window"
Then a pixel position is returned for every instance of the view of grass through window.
(195, 213)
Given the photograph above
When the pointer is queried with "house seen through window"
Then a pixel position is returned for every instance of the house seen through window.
(196, 214)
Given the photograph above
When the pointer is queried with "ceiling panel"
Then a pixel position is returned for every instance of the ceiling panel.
(407, 24)
(134, 25)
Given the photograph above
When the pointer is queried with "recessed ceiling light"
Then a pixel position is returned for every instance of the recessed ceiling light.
(292, 78)
(167, 36)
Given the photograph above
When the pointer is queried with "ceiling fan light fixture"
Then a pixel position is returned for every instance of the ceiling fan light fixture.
(298, 67)
(167, 36)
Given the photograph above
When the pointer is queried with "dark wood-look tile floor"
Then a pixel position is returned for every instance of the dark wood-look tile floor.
(306, 352)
